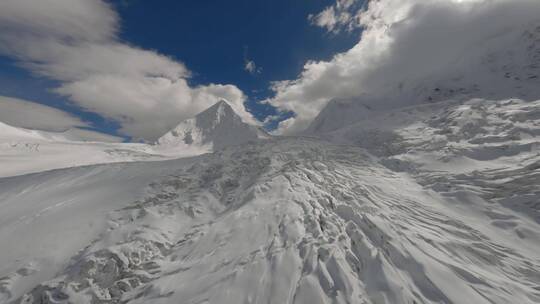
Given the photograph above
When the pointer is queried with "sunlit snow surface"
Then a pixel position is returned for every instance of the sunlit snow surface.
(24, 151)
(429, 204)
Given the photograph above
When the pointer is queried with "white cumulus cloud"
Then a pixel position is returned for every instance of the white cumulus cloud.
(344, 14)
(76, 42)
(251, 67)
(30, 115)
(404, 45)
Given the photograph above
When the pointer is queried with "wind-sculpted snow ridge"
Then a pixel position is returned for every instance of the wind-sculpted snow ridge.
(293, 221)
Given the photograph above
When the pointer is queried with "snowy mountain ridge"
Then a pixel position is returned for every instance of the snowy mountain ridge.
(431, 203)
(288, 220)
(504, 67)
(24, 151)
(11, 133)
(213, 129)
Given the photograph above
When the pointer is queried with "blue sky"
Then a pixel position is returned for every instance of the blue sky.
(213, 39)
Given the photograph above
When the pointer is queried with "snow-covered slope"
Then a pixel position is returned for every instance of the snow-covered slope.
(450, 145)
(11, 133)
(339, 113)
(505, 66)
(215, 128)
(281, 221)
(48, 217)
(24, 151)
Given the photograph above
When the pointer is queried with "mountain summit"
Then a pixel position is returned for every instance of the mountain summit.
(217, 127)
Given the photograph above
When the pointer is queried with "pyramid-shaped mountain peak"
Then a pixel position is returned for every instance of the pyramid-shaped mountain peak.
(217, 127)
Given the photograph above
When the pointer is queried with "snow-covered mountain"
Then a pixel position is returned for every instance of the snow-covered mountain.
(215, 128)
(428, 203)
(503, 67)
(25, 151)
(291, 220)
(339, 113)
(506, 66)
(436, 200)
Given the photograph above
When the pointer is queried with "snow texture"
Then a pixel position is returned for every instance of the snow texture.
(430, 209)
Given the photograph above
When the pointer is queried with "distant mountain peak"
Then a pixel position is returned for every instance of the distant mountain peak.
(222, 103)
(221, 110)
(221, 107)
(217, 127)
